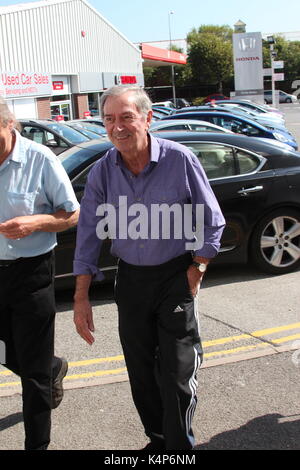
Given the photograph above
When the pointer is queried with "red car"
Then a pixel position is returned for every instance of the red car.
(215, 96)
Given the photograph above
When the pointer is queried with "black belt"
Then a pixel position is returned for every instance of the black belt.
(4, 263)
(7, 262)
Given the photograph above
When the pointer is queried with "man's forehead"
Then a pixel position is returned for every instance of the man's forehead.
(126, 100)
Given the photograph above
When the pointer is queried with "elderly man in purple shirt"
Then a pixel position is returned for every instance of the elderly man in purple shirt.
(165, 225)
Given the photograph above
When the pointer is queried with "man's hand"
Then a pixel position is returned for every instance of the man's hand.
(83, 319)
(194, 277)
(19, 227)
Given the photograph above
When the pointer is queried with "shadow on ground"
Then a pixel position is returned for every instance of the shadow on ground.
(268, 432)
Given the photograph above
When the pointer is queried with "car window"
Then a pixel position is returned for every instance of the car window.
(34, 133)
(247, 163)
(203, 128)
(70, 134)
(236, 125)
(176, 127)
(217, 160)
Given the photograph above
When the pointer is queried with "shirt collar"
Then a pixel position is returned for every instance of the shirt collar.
(18, 153)
(154, 152)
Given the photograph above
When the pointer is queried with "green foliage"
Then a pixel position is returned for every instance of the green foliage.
(210, 54)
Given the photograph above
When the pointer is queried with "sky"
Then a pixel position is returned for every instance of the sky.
(142, 21)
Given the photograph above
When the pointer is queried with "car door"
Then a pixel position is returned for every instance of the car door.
(67, 239)
(242, 184)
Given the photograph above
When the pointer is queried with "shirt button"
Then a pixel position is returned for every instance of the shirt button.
(138, 199)
(142, 245)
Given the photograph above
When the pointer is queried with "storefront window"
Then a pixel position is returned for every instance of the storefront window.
(94, 104)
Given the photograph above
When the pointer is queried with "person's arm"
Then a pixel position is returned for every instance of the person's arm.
(22, 226)
(83, 314)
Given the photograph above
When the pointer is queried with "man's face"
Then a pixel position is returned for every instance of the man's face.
(6, 141)
(126, 127)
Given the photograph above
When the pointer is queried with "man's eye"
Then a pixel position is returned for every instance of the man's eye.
(107, 119)
(128, 117)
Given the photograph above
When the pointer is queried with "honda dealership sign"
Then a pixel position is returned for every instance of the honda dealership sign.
(248, 65)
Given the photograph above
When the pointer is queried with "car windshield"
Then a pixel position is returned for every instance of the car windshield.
(70, 134)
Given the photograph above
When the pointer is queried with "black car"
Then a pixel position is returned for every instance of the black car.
(256, 183)
(55, 135)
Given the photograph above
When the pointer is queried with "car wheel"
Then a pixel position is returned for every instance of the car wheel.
(275, 243)
(288, 100)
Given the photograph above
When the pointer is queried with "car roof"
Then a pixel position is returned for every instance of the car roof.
(219, 113)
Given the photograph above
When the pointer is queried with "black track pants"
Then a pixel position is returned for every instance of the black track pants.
(159, 332)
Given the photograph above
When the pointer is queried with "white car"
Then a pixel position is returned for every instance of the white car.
(186, 125)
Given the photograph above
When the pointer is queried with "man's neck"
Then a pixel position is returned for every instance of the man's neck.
(10, 148)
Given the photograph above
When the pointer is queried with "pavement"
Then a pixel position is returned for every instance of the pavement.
(248, 395)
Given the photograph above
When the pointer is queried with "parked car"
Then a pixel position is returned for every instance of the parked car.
(186, 125)
(216, 96)
(167, 103)
(270, 122)
(238, 124)
(259, 108)
(55, 135)
(163, 109)
(283, 97)
(256, 184)
(180, 102)
(89, 129)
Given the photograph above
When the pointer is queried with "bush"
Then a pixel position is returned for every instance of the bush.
(198, 101)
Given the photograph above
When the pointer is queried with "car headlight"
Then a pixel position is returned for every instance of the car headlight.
(280, 137)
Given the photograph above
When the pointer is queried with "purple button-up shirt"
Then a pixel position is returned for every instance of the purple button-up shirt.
(152, 217)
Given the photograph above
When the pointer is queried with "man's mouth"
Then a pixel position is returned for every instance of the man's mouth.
(121, 137)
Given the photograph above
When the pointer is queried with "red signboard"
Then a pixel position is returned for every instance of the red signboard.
(86, 113)
(59, 118)
(128, 79)
(58, 85)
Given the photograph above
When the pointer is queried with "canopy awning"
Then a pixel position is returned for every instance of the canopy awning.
(157, 57)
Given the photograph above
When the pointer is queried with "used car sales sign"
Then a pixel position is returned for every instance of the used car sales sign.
(21, 84)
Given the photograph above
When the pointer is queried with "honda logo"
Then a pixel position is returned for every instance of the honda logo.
(246, 44)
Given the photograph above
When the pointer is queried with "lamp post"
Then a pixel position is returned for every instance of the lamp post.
(172, 67)
(271, 41)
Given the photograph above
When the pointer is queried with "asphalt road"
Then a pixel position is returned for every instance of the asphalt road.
(248, 384)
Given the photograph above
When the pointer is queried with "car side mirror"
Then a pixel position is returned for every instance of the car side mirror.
(52, 143)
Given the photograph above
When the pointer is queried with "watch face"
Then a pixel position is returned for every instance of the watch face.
(202, 267)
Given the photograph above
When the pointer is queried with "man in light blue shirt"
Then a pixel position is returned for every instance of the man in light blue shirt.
(36, 201)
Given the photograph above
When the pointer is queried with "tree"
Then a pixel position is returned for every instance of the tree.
(210, 54)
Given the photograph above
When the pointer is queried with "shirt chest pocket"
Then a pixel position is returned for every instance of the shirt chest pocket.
(167, 196)
(19, 204)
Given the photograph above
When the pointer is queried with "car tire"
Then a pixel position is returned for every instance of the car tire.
(275, 243)
(288, 100)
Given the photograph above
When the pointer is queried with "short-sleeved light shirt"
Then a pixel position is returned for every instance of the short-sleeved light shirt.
(32, 181)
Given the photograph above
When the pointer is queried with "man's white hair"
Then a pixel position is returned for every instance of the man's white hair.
(141, 99)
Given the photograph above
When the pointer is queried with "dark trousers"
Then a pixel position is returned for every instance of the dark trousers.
(159, 333)
(27, 312)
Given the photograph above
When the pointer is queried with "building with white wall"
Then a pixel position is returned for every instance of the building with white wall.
(57, 56)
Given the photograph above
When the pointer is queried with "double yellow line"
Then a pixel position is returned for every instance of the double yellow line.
(259, 334)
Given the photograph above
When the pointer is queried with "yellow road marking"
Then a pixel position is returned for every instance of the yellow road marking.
(232, 351)
(206, 344)
(97, 373)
